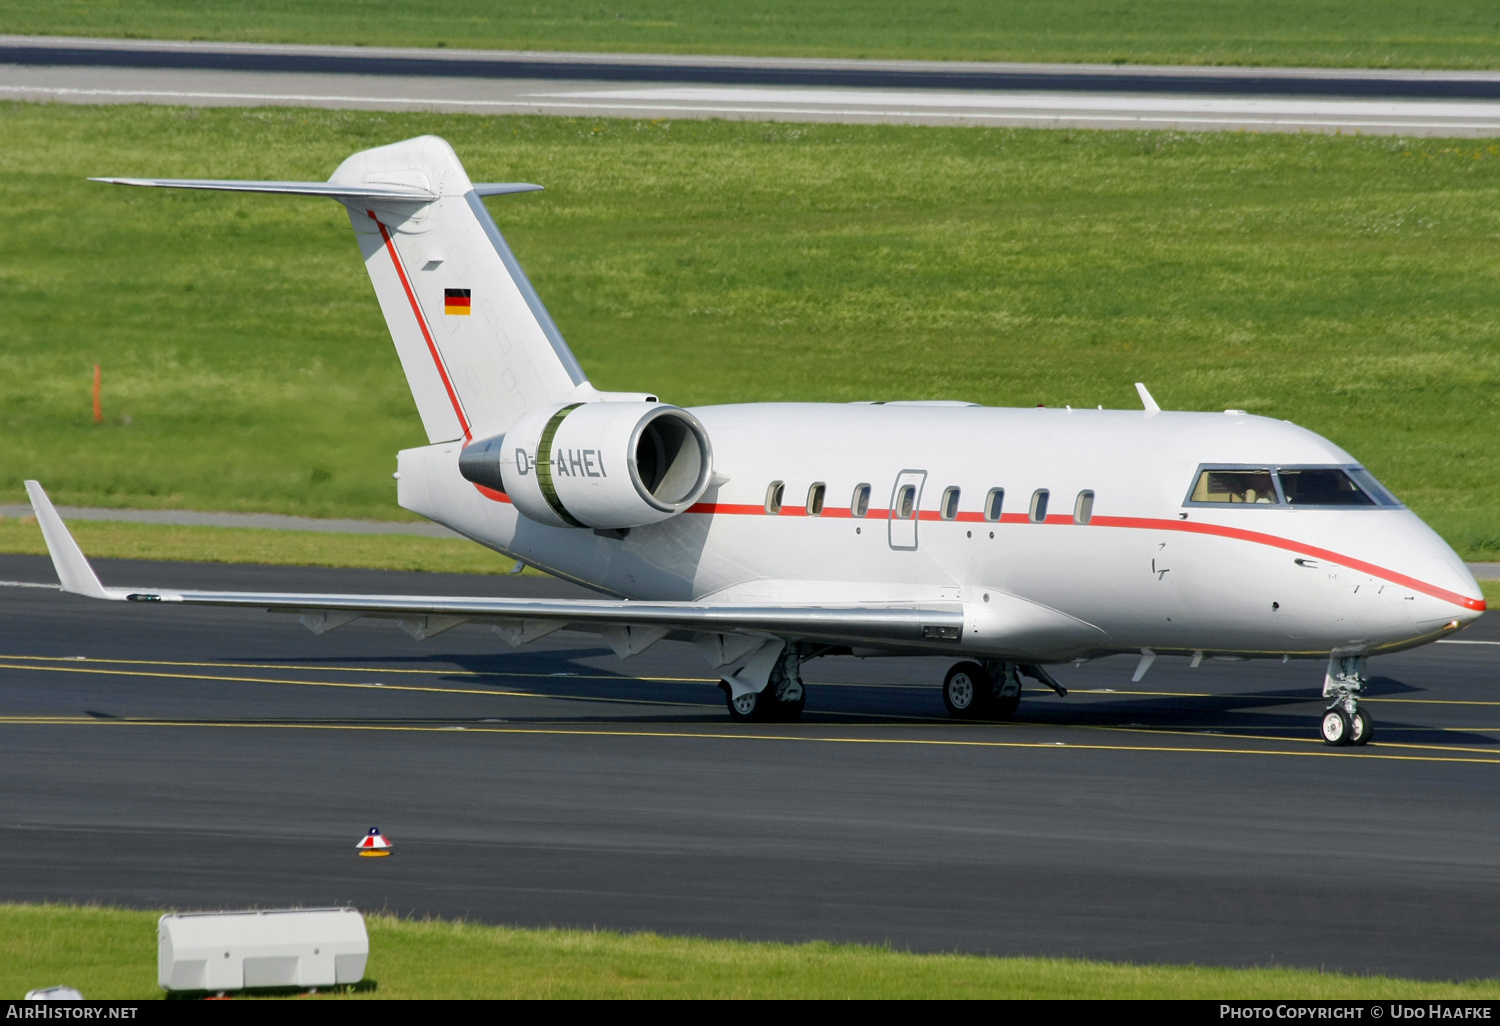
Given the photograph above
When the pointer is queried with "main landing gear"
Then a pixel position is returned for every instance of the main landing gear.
(1344, 722)
(990, 691)
(783, 697)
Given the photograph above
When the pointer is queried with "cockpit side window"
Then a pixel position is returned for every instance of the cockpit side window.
(1372, 487)
(1235, 486)
(1323, 486)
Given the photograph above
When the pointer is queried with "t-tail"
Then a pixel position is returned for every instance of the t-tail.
(478, 347)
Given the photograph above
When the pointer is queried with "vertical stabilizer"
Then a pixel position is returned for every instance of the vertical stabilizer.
(477, 345)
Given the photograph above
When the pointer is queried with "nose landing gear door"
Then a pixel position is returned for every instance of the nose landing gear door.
(906, 502)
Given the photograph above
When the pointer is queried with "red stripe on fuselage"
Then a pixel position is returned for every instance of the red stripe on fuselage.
(1148, 524)
(728, 509)
(1286, 544)
(1127, 523)
(416, 309)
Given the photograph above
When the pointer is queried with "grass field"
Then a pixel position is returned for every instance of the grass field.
(1349, 284)
(111, 540)
(111, 953)
(1405, 33)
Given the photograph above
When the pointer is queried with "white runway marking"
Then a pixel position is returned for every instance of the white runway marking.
(1052, 109)
(776, 103)
(1051, 102)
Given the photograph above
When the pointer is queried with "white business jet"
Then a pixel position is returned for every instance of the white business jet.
(769, 534)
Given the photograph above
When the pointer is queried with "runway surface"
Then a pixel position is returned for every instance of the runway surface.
(199, 758)
(1421, 103)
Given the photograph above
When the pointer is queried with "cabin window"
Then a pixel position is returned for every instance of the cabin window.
(993, 503)
(774, 494)
(1039, 505)
(1235, 486)
(1322, 486)
(859, 505)
(815, 499)
(950, 504)
(1083, 507)
(906, 502)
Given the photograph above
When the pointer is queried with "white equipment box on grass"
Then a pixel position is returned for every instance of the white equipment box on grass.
(317, 947)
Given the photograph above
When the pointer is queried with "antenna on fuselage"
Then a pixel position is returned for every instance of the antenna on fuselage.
(1146, 399)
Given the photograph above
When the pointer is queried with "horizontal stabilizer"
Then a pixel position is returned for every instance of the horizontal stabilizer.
(503, 188)
(335, 190)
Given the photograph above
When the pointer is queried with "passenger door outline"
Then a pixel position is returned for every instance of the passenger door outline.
(903, 530)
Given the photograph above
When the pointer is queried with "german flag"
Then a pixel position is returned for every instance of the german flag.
(456, 301)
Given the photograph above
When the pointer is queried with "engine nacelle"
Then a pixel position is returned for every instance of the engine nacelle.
(607, 465)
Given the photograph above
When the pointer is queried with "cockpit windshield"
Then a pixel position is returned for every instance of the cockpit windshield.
(1324, 486)
(1289, 486)
(1235, 486)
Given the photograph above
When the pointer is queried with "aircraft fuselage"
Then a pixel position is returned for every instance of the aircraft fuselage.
(1138, 566)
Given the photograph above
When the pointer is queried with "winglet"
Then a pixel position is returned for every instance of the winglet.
(73, 568)
(1146, 399)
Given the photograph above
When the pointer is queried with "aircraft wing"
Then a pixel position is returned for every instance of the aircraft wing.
(426, 615)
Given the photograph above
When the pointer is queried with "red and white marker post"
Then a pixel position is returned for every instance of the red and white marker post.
(374, 844)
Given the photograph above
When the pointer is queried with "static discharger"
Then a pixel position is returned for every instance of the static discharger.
(374, 844)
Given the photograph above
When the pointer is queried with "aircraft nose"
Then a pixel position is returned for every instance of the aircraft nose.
(1450, 590)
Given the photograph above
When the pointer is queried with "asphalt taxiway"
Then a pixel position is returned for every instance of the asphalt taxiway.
(654, 86)
(200, 758)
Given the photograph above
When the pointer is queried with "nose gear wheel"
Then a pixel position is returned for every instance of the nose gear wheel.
(1336, 727)
(1344, 722)
(1361, 728)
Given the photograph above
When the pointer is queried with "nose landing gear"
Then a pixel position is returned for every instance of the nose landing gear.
(1344, 722)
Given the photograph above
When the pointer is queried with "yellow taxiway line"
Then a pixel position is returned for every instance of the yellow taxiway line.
(494, 693)
(343, 684)
(354, 669)
(724, 736)
(501, 675)
(1285, 698)
(104, 669)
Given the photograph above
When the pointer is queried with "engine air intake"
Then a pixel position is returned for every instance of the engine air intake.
(669, 459)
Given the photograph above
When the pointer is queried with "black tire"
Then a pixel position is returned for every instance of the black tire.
(1335, 728)
(787, 712)
(749, 708)
(967, 691)
(1004, 708)
(1361, 728)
